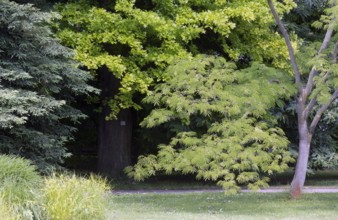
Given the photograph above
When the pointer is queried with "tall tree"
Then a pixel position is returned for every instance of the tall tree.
(324, 143)
(38, 83)
(317, 87)
(136, 40)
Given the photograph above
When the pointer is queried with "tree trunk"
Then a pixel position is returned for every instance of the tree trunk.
(301, 167)
(305, 137)
(114, 135)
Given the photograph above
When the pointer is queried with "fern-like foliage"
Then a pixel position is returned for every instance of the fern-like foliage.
(227, 132)
(38, 82)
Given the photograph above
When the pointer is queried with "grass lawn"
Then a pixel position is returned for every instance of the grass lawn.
(212, 206)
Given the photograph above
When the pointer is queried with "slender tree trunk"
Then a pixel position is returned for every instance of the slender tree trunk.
(114, 135)
(298, 181)
(305, 137)
(305, 104)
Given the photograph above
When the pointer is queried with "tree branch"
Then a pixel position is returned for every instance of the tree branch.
(310, 106)
(335, 52)
(288, 43)
(314, 72)
(310, 82)
(320, 112)
(313, 101)
(326, 40)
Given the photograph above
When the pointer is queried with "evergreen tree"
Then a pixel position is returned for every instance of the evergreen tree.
(38, 83)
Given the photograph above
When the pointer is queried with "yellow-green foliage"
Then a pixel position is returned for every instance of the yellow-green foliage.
(223, 122)
(18, 179)
(24, 195)
(136, 42)
(5, 212)
(20, 186)
(75, 198)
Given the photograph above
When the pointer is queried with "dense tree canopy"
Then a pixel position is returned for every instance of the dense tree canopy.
(127, 44)
(38, 83)
(218, 109)
(136, 40)
(222, 124)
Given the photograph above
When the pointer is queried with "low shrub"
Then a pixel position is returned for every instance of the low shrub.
(68, 197)
(25, 196)
(20, 186)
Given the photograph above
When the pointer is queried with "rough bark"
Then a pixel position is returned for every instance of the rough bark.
(114, 135)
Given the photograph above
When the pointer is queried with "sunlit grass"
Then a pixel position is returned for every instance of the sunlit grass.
(210, 206)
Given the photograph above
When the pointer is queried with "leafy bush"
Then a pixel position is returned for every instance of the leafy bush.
(222, 124)
(19, 188)
(70, 197)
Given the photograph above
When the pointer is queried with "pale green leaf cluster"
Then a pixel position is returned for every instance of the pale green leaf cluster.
(136, 45)
(38, 84)
(227, 132)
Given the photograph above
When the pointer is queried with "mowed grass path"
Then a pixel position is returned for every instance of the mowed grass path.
(212, 206)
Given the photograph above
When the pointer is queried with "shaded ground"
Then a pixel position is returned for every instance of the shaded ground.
(185, 191)
(321, 182)
(327, 178)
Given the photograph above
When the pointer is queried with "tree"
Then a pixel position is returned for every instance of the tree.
(317, 87)
(223, 127)
(38, 83)
(324, 143)
(136, 40)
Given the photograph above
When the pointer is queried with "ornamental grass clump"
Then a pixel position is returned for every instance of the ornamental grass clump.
(6, 212)
(70, 197)
(20, 186)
